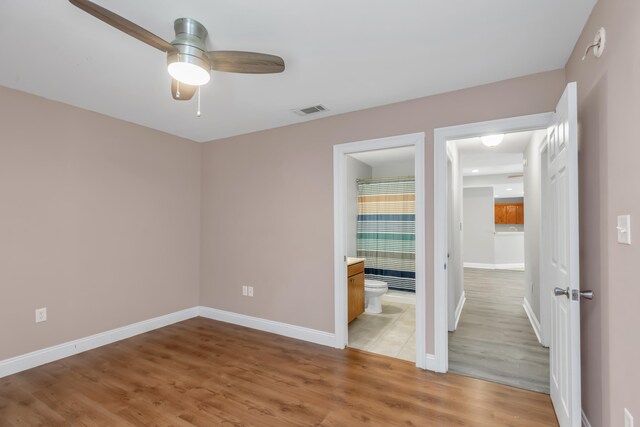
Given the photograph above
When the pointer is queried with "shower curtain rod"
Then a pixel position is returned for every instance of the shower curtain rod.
(391, 178)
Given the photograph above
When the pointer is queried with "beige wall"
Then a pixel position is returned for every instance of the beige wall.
(99, 222)
(267, 205)
(609, 110)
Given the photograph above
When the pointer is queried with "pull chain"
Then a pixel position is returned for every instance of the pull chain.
(178, 82)
(198, 112)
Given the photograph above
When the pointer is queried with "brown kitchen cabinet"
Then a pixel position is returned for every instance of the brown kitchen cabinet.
(355, 284)
(509, 213)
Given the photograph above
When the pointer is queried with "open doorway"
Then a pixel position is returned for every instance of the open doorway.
(381, 251)
(495, 292)
(379, 235)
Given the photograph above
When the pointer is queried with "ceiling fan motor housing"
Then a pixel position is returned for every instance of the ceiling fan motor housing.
(189, 43)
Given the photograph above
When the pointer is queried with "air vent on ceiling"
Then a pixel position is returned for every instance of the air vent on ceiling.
(310, 110)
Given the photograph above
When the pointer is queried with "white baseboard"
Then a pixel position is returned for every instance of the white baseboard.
(285, 329)
(461, 302)
(512, 266)
(60, 351)
(431, 362)
(409, 299)
(535, 324)
(585, 421)
(479, 265)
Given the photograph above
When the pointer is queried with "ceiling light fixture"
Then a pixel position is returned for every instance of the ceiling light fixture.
(509, 189)
(188, 63)
(475, 170)
(492, 140)
(187, 72)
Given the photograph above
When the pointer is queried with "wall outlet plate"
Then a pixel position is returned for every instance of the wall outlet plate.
(628, 418)
(244, 291)
(250, 291)
(41, 314)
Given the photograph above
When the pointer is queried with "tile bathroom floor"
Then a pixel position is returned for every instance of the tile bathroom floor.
(392, 332)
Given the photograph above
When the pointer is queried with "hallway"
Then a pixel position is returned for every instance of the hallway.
(494, 340)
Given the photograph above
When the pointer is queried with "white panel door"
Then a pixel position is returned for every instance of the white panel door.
(562, 260)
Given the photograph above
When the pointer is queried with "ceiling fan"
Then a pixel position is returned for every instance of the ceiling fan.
(188, 61)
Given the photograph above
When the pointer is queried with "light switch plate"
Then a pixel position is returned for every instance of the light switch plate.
(628, 419)
(624, 229)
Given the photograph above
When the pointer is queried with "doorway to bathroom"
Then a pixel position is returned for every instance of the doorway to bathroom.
(381, 249)
(379, 235)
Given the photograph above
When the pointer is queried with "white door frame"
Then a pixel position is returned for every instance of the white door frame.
(339, 233)
(441, 136)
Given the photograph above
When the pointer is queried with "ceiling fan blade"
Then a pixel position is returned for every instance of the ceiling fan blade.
(123, 25)
(245, 62)
(186, 91)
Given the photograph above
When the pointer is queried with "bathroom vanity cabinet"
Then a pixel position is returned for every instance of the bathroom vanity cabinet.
(355, 284)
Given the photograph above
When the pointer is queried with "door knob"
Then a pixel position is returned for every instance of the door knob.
(559, 292)
(586, 294)
(568, 293)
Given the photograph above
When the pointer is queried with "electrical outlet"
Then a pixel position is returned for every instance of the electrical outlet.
(244, 291)
(250, 291)
(41, 314)
(628, 419)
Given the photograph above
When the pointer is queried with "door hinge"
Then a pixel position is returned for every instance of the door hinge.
(445, 265)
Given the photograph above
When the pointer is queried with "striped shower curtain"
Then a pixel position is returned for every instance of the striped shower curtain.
(386, 230)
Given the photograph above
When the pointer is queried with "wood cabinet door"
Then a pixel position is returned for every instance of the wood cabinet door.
(520, 213)
(510, 214)
(355, 285)
(499, 213)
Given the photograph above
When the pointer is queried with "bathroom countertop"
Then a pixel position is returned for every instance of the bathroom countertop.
(352, 260)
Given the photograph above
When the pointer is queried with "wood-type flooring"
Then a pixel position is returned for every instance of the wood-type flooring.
(203, 372)
(495, 340)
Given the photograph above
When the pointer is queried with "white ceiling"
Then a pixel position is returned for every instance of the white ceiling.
(495, 165)
(346, 55)
(506, 185)
(506, 158)
(379, 158)
(508, 190)
(512, 143)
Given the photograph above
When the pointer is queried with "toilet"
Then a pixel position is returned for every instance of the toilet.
(373, 291)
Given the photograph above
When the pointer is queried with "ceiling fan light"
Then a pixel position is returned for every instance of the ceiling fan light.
(492, 140)
(189, 74)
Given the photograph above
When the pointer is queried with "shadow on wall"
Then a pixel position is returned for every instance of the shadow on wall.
(593, 269)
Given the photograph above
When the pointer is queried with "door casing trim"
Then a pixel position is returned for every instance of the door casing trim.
(339, 229)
